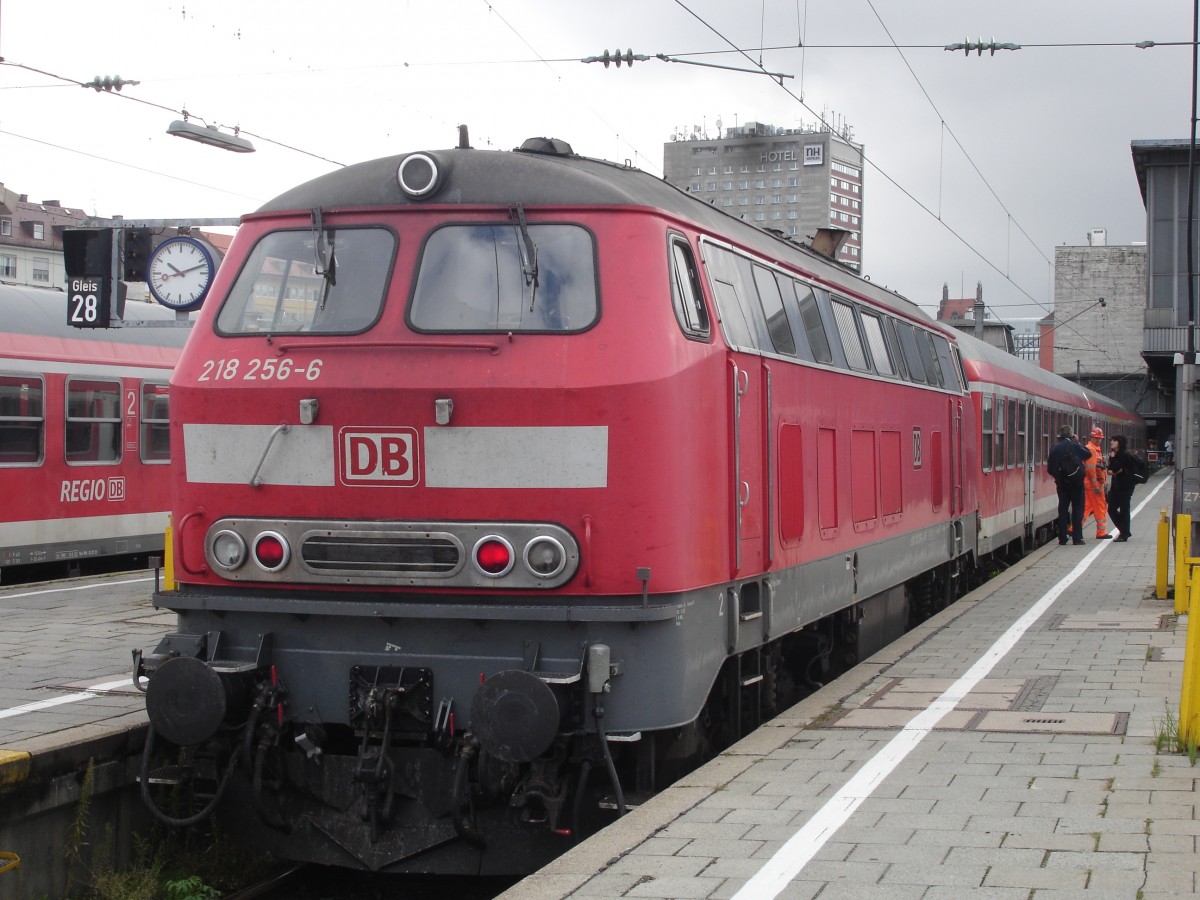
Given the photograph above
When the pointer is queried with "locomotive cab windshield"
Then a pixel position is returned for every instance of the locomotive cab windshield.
(288, 283)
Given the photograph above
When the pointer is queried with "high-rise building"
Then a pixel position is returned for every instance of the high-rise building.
(789, 180)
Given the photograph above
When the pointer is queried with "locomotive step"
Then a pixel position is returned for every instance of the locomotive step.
(170, 775)
(632, 801)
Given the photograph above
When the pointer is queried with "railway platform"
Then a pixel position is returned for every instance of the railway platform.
(1017, 745)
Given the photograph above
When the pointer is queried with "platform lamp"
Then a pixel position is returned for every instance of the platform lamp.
(209, 134)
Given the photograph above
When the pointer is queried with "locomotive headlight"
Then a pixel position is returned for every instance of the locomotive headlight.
(271, 551)
(228, 549)
(545, 557)
(493, 556)
(418, 175)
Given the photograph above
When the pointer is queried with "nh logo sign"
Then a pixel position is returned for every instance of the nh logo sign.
(379, 456)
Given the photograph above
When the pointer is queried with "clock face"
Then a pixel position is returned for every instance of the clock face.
(180, 273)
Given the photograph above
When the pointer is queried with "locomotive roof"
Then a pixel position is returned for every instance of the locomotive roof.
(41, 312)
(544, 178)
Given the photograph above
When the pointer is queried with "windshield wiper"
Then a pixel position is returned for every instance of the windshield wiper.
(326, 260)
(528, 251)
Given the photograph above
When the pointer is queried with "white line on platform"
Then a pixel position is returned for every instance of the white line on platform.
(94, 691)
(801, 847)
(79, 587)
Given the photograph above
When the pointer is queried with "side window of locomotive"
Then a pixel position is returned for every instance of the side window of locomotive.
(296, 281)
(737, 332)
(737, 299)
(893, 342)
(488, 278)
(873, 329)
(772, 306)
(686, 296)
(933, 369)
(93, 432)
(951, 373)
(155, 421)
(814, 327)
(22, 420)
(856, 358)
(912, 355)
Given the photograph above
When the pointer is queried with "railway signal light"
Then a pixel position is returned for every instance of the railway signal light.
(137, 253)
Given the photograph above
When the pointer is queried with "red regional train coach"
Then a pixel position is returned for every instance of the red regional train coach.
(84, 437)
(1020, 410)
(512, 484)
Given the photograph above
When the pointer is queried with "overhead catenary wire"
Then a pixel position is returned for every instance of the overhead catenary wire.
(181, 112)
(893, 181)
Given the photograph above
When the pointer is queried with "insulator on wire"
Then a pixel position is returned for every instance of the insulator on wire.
(616, 56)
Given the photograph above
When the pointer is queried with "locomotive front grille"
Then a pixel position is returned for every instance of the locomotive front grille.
(393, 554)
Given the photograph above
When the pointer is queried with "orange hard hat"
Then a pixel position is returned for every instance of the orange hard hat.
(1097, 433)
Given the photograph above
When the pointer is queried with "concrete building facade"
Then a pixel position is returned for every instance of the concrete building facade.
(793, 181)
(1099, 305)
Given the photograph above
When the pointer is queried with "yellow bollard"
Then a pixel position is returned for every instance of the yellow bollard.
(1183, 549)
(1189, 717)
(1164, 555)
(169, 557)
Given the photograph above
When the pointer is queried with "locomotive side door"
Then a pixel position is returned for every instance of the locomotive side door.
(956, 458)
(749, 380)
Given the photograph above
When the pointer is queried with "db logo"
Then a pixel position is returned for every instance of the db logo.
(379, 456)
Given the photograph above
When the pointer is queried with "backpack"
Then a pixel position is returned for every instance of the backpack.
(1138, 470)
(1070, 470)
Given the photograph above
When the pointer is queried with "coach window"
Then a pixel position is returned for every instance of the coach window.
(488, 278)
(93, 433)
(772, 306)
(985, 443)
(814, 327)
(155, 421)
(873, 329)
(686, 295)
(1012, 433)
(293, 283)
(22, 420)
(998, 460)
(1022, 432)
(856, 358)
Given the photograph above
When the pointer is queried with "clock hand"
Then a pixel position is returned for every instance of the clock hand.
(173, 269)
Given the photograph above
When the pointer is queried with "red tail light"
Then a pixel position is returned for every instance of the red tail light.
(271, 551)
(493, 556)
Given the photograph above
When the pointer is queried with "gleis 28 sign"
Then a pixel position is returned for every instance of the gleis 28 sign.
(87, 254)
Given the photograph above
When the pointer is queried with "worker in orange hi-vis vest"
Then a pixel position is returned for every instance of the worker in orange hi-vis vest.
(1095, 476)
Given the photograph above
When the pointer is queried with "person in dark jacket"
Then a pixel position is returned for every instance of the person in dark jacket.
(1066, 467)
(1120, 491)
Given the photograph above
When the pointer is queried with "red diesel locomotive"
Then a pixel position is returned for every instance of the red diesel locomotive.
(510, 484)
(84, 440)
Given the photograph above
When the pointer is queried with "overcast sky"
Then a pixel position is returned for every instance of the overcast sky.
(978, 167)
